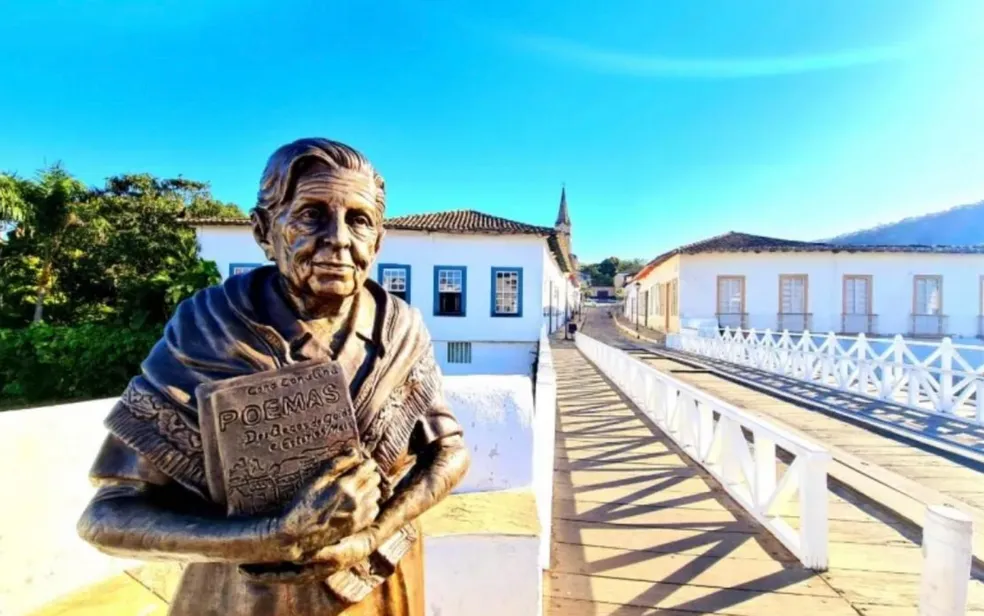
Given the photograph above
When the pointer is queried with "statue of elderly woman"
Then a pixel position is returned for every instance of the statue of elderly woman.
(319, 218)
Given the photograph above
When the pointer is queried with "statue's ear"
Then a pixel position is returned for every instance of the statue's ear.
(261, 231)
(379, 240)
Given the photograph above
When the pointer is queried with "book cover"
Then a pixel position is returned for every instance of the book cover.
(265, 435)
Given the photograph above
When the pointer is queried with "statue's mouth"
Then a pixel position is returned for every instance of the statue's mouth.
(332, 267)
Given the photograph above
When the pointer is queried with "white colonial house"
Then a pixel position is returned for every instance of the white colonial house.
(484, 284)
(750, 281)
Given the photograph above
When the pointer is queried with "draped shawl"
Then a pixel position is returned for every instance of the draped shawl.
(223, 332)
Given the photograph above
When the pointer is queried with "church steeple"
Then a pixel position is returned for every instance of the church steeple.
(563, 224)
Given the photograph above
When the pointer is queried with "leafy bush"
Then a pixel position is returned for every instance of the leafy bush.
(46, 364)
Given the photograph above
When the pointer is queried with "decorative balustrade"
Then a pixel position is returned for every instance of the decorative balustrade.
(940, 377)
(794, 321)
(928, 324)
(854, 323)
(711, 432)
(733, 319)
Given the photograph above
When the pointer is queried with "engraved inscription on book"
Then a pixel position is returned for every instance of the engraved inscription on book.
(272, 431)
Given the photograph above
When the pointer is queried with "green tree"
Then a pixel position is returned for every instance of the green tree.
(44, 210)
(117, 254)
(608, 268)
(12, 205)
(148, 259)
(631, 266)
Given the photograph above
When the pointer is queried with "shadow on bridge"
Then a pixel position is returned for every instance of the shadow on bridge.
(638, 526)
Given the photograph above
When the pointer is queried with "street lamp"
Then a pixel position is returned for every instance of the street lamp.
(638, 287)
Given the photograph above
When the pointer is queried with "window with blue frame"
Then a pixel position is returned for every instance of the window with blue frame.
(395, 278)
(450, 288)
(507, 291)
(241, 268)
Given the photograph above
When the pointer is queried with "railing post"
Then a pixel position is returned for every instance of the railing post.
(863, 366)
(730, 462)
(705, 430)
(946, 375)
(765, 469)
(813, 510)
(947, 549)
(979, 399)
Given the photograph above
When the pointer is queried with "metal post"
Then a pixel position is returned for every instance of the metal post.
(947, 550)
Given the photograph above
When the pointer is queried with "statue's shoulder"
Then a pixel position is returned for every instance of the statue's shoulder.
(234, 296)
(216, 320)
(401, 319)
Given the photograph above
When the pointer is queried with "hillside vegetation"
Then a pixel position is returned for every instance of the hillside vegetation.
(957, 226)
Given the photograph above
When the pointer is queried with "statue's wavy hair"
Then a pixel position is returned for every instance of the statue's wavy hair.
(289, 162)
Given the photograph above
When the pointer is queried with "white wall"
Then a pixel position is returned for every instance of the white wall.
(646, 313)
(558, 293)
(229, 244)
(490, 358)
(482, 575)
(892, 286)
(496, 413)
(43, 557)
(479, 254)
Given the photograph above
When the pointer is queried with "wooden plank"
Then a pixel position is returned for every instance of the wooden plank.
(886, 558)
(660, 499)
(648, 517)
(693, 598)
(693, 541)
(557, 606)
(643, 491)
(562, 465)
(711, 571)
(881, 588)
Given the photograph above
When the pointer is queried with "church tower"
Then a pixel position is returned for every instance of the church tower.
(563, 224)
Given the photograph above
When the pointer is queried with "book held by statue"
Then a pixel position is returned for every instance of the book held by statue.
(266, 435)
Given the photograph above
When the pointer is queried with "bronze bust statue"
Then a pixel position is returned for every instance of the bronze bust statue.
(284, 500)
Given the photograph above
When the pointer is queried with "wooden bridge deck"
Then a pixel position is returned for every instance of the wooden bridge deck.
(638, 526)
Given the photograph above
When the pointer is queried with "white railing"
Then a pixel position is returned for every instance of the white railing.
(940, 377)
(710, 431)
(544, 427)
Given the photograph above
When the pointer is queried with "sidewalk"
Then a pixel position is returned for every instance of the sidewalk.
(641, 331)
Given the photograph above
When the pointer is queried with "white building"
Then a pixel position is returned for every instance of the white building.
(759, 282)
(484, 284)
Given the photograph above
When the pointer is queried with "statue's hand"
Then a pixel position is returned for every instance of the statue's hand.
(349, 551)
(342, 500)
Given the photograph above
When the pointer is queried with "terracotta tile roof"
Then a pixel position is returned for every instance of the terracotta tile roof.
(464, 221)
(216, 222)
(734, 242)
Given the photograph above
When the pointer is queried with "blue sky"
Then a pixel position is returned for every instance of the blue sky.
(669, 120)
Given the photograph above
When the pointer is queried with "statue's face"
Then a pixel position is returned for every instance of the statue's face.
(326, 238)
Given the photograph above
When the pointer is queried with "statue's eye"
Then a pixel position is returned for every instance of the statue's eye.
(360, 220)
(311, 214)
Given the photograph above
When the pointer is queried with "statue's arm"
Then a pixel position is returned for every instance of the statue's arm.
(441, 466)
(139, 512)
(442, 461)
